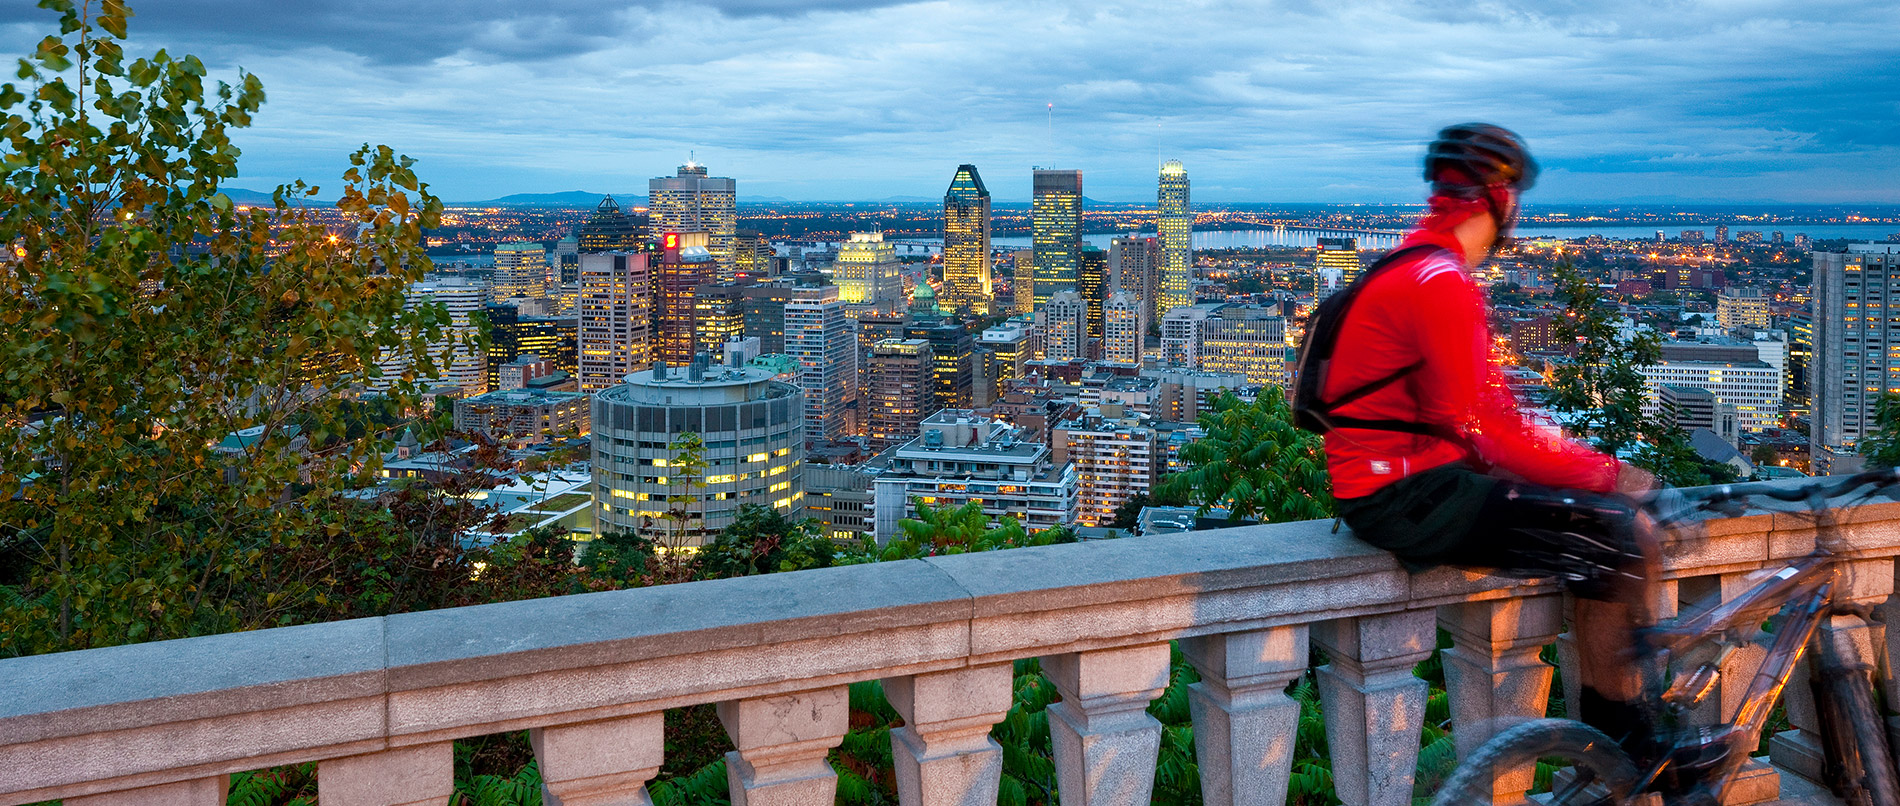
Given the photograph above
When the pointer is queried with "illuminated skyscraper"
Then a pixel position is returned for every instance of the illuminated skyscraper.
(1175, 225)
(966, 242)
(1335, 265)
(1134, 266)
(902, 393)
(751, 255)
(511, 335)
(685, 265)
(521, 270)
(1064, 323)
(694, 202)
(868, 273)
(610, 230)
(616, 317)
(1056, 230)
(819, 337)
(1124, 324)
(1092, 283)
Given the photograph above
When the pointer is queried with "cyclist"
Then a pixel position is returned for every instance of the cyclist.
(1463, 478)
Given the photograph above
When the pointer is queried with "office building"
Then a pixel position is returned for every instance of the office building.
(1056, 233)
(1116, 454)
(818, 336)
(616, 317)
(512, 335)
(753, 430)
(1064, 323)
(902, 390)
(1134, 263)
(1751, 388)
(1742, 307)
(564, 263)
(1246, 340)
(686, 263)
(1092, 284)
(959, 458)
(868, 274)
(1174, 223)
(519, 414)
(953, 356)
(752, 255)
(518, 372)
(1690, 408)
(521, 270)
(1124, 326)
(691, 201)
(966, 243)
(465, 372)
(1856, 355)
(1011, 346)
(840, 498)
(718, 316)
(608, 229)
(1799, 372)
(1335, 265)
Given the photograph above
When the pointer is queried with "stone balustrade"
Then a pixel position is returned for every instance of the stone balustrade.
(377, 702)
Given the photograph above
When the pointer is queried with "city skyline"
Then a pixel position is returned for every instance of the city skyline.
(1623, 102)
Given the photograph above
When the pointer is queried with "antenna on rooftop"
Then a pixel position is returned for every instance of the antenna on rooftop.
(1052, 134)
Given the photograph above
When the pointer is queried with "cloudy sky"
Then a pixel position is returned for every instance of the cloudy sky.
(1268, 101)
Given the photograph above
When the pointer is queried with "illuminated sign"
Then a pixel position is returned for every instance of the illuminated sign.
(672, 240)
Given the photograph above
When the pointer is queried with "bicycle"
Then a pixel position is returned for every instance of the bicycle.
(1696, 764)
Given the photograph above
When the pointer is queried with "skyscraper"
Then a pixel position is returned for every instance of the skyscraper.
(1056, 232)
(1124, 324)
(685, 265)
(1092, 283)
(1175, 226)
(610, 230)
(1134, 266)
(691, 201)
(966, 242)
(1064, 323)
(467, 368)
(1335, 265)
(616, 317)
(819, 337)
(521, 270)
(511, 335)
(1849, 372)
(953, 359)
(868, 274)
(901, 390)
(751, 255)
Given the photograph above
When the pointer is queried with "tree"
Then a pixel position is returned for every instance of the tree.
(1881, 449)
(1764, 455)
(1600, 390)
(685, 514)
(1254, 462)
(1127, 512)
(761, 540)
(146, 318)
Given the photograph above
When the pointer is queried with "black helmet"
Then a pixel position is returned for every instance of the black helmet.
(1469, 157)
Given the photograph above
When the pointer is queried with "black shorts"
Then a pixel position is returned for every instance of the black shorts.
(1454, 515)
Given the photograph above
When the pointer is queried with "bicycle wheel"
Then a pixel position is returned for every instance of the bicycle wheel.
(1865, 769)
(1604, 774)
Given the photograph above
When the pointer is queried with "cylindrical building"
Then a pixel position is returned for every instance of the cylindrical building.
(753, 429)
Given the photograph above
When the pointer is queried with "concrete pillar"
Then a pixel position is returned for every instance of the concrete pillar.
(606, 763)
(943, 755)
(1494, 676)
(1105, 741)
(196, 792)
(782, 742)
(1375, 707)
(1244, 723)
(422, 775)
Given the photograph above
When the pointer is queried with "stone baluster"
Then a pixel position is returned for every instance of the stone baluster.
(195, 792)
(1375, 706)
(943, 754)
(421, 775)
(1244, 723)
(782, 742)
(1756, 781)
(1494, 675)
(1105, 741)
(1799, 750)
(606, 763)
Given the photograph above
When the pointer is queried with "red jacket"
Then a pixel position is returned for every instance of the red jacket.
(1426, 306)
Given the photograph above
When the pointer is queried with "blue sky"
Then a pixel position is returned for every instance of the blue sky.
(1298, 101)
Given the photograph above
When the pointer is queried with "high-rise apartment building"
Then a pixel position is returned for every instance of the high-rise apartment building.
(1116, 456)
(685, 264)
(1335, 265)
(966, 242)
(1721, 233)
(521, 270)
(1856, 356)
(1134, 264)
(1742, 306)
(1124, 325)
(1092, 284)
(818, 336)
(1174, 223)
(1056, 232)
(868, 274)
(753, 430)
(616, 317)
(466, 369)
(1064, 323)
(691, 201)
(902, 391)
(608, 229)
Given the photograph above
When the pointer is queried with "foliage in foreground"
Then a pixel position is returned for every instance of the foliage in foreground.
(1255, 463)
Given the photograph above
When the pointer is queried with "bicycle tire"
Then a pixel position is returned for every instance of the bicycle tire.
(1853, 698)
(1526, 743)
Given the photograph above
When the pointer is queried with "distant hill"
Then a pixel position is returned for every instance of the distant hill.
(570, 198)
